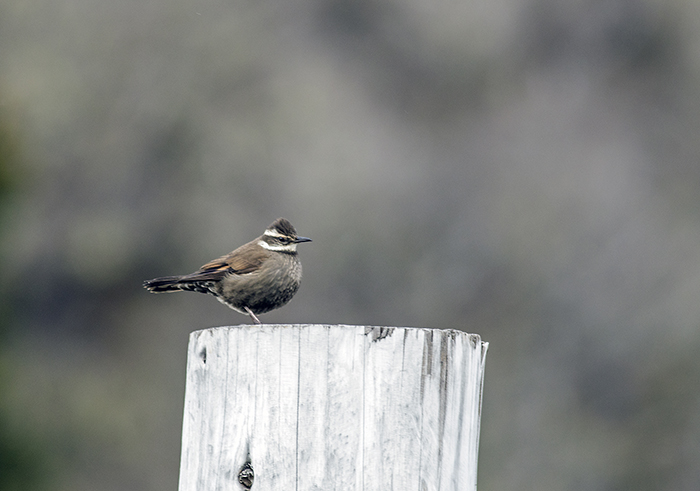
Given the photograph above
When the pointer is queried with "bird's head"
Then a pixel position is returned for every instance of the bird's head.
(281, 236)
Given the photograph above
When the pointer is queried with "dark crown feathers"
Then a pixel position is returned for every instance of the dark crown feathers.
(283, 226)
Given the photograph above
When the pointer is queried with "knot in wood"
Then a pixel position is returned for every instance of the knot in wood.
(246, 476)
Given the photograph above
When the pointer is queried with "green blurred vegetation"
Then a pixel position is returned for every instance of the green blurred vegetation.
(24, 459)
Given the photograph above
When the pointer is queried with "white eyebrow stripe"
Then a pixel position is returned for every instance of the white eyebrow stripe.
(272, 233)
(287, 247)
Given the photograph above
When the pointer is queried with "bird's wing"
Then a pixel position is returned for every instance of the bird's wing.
(245, 259)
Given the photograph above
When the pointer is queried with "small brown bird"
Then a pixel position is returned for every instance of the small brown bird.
(259, 276)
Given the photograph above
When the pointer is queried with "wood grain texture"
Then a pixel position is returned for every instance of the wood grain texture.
(317, 407)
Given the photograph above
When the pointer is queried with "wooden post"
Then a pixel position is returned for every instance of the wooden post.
(318, 407)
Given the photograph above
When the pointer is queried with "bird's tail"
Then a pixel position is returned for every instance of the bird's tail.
(164, 284)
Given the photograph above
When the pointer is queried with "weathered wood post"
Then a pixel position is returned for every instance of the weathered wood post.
(317, 407)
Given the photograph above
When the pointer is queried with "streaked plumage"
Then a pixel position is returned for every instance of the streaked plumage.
(259, 276)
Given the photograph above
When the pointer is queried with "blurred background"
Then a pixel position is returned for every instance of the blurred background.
(528, 170)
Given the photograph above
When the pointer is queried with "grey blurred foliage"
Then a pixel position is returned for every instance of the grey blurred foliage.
(526, 170)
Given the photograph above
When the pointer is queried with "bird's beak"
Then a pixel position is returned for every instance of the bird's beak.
(302, 239)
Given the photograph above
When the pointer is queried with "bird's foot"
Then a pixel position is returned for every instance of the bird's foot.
(252, 316)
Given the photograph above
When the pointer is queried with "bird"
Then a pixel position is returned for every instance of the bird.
(259, 276)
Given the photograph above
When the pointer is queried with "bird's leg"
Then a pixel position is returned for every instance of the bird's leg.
(252, 315)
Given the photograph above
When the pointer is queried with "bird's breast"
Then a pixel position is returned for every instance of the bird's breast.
(270, 287)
